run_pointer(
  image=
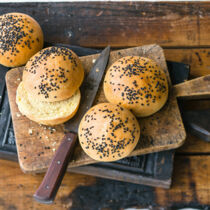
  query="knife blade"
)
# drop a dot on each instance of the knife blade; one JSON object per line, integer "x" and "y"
{"x": 89, "y": 89}
{"x": 54, "y": 175}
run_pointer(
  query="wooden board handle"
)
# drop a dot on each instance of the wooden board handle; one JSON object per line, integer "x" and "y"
{"x": 52, "y": 179}
{"x": 193, "y": 89}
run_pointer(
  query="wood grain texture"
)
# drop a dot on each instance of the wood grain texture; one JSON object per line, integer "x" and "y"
{"x": 198, "y": 59}
{"x": 190, "y": 183}
{"x": 190, "y": 186}
{"x": 152, "y": 170}
{"x": 163, "y": 130}
{"x": 122, "y": 24}
{"x": 194, "y": 89}
{"x": 193, "y": 145}
{"x": 17, "y": 189}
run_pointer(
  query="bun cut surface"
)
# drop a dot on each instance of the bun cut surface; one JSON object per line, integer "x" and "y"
{"x": 47, "y": 113}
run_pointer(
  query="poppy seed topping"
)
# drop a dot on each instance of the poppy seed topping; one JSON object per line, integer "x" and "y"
{"x": 53, "y": 74}
{"x": 108, "y": 132}
{"x": 136, "y": 83}
{"x": 18, "y": 34}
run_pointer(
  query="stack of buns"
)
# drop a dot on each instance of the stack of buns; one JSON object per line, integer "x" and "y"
{"x": 20, "y": 38}
{"x": 49, "y": 92}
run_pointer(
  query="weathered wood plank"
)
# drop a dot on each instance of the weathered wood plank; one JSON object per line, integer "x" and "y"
{"x": 121, "y": 24}
{"x": 190, "y": 185}
{"x": 198, "y": 88}
{"x": 17, "y": 189}
{"x": 198, "y": 59}
{"x": 194, "y": 145}
{"x": 190, "y": 188}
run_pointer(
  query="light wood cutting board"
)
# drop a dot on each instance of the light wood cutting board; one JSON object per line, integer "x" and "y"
{"x": 36, "y": 144}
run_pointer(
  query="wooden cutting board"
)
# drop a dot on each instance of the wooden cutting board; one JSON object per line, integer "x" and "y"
{"x": 36, "y": 144}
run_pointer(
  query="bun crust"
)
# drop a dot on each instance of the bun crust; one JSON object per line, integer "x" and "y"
{"x": 108, "y": 132}
{"x": 47, "y": 113}
{"x": 21, "y": 37}
{"x": 138, "y": 84}
{"x": 53, "y": 74}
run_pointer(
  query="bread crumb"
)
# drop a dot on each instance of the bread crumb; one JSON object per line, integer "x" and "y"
{"x": 68, "y": 205}
{"x": 94, "y": 60}
{"x": 100, "y": 13}
{"x": 69, "y": 34}
{"x": 18, "y": 114}
{"x": 18, "y": 79}
{"x": 97, "y": 70}
{"x": 46, "y": 137}
{"x": 30, "y": 131}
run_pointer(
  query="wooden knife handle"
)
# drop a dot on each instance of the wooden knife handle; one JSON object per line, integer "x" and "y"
{"x": 193, "y": 89}
{"x": 54, "y": 175}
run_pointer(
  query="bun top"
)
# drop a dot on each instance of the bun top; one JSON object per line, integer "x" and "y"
{"x": 53, "y": 74}
{"x": 108, "y": 132}
{"x": 20, "y": 38}
{"x": 138, "y": 84}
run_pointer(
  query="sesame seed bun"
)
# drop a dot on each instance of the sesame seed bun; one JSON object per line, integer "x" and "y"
{"x": 108, "y": 132}
{"x": 138, "y": 84}
{"x": 53, "y": 74}
{"x": 20, "y": 38}
{"x": 47, "y": 113}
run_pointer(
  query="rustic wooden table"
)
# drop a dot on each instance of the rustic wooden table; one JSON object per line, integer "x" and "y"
{"x": 183, "y": 30}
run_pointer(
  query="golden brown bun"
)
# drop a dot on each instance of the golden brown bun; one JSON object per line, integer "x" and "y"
{"x": 53, "y": 74}
{"x": 108, "y": 132}
{"x": 138, "y": 84}
{"x": 20, "y": 38}
{"x": 47, "y": 113}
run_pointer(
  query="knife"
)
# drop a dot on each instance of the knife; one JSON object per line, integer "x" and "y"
{"x": 54, "y": 175}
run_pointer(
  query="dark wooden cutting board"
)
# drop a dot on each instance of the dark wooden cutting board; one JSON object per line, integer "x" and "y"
{"x": 164, "y": 130}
